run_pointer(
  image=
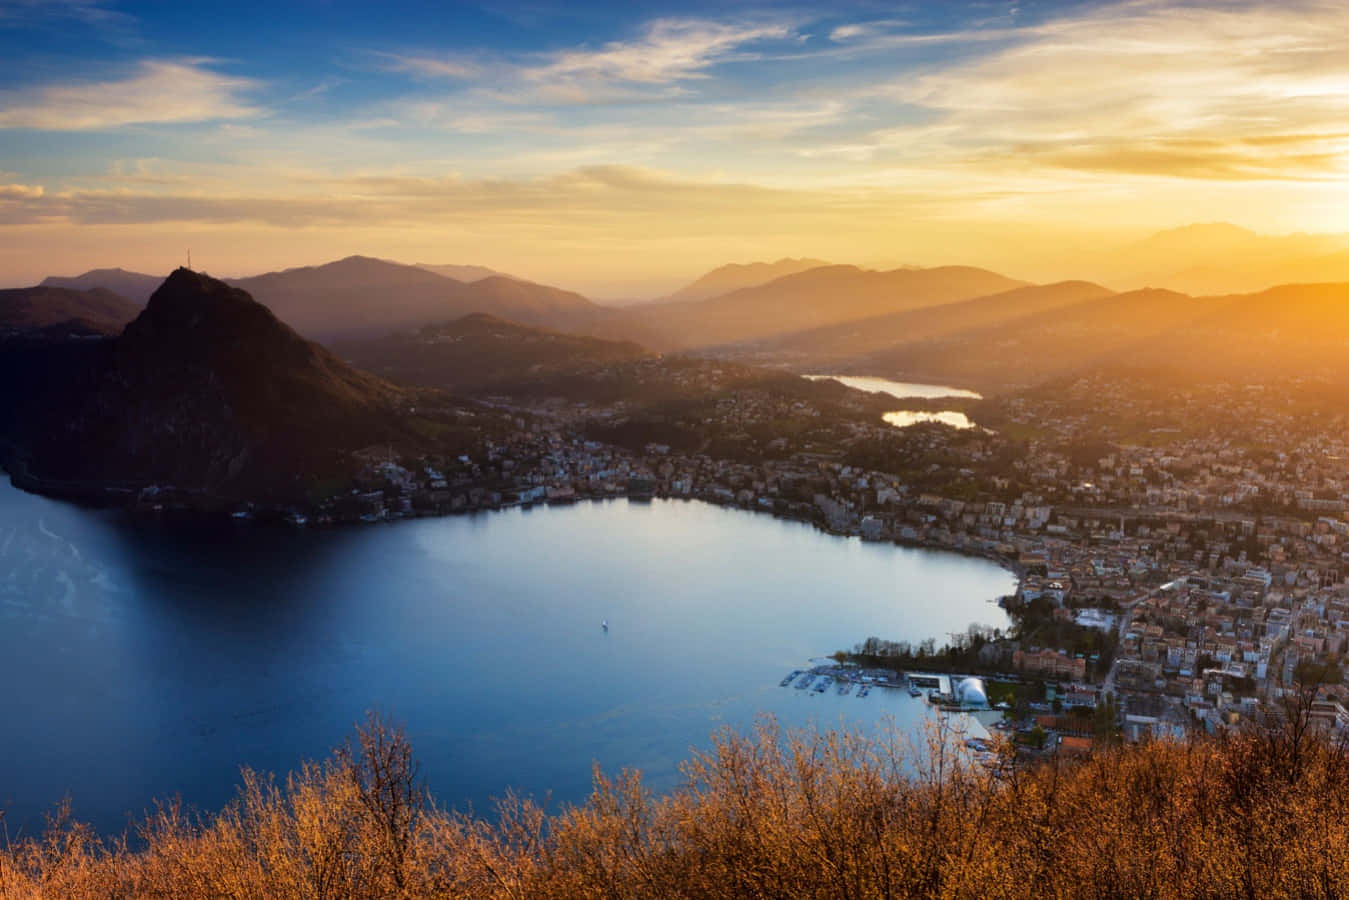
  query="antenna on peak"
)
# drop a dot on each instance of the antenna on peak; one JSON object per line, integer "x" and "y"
{"x": 189, "y": 257}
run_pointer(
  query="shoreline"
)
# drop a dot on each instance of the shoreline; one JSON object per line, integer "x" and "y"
{"x": 124, "y": 498}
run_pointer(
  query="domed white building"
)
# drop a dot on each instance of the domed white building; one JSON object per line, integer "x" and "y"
{"x": 970, "y": 693}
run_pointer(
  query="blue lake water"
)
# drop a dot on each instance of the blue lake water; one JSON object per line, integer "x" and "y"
{"x": 144, "y": 660}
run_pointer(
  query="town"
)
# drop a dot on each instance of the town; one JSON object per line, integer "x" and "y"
{"x": 1197, "y": 533}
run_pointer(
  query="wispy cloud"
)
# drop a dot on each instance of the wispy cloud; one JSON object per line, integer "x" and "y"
{"x": 670, "y": 50}
{"x": 159, "y": 92}
{"x": 20, "y": 191}
{"x": 88, "y": 12}
{"x": 607, "y": 195}
{"x": 657, "y": 63}
{"x": 430, "y": 66}
{"x": 1148, "y": 88}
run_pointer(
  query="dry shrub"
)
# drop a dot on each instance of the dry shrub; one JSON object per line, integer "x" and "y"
{"x": 769, "y": 814}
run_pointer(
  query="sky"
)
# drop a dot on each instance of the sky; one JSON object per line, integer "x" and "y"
{"x": 621, "y": 149}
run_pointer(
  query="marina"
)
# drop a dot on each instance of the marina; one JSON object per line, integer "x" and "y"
{"x": 947, "y": 692}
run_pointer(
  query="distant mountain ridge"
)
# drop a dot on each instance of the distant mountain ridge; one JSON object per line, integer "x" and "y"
{"x": 41, "y": 308}
{"x": 734, "y": 276}
{"x": 465, "y": 273}
{"x": 815, "y": 298}
{"x": 859, "y": 337}
{"x": 361, "y": 297}
{"x": 134, "y": 286}
{"x": 479, "y": 351}
{"x": 1221, "y": 258}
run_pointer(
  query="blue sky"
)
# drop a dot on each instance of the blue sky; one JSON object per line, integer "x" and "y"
{"x": 578, "y": 140}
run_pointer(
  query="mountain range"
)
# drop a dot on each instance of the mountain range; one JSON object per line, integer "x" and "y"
{"x": 465, "y": 273}
{"x": 134, "y": 286}
{"x": 734, "y": 276}
{"x": 815, "y": 298}
{"x": 955, "y": 323}
{"x": 360, "y": 297}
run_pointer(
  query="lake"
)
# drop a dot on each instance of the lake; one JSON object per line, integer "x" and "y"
{"x": 905, "y": 418}
{"x": 147, "y": 659}
{"x": 898, "y": 389}
{"x": 901, "y": 390}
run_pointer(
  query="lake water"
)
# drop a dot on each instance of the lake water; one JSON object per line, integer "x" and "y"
{"x": 145, "y": 660}
{"x": 898, "y": 389}
{"x": 901, "y": 390}
{"x": 905, "y": 418}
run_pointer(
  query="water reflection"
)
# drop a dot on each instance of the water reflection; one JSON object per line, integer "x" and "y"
{"x": 898, "y": 389}
{"x": 905, "y": 418}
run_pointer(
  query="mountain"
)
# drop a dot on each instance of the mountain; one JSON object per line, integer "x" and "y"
{"x": 134, "y": 286}
{"x": 479, "y": 351}
{"x": 360, "y": 297}
{"x": 464, "y": 273}
{"x": 56, "y": 309}
{"x": 734, "y": 276}
{"x": 835, "y": 344}
{"x": 1033, "y": 348}
{"x": 816, "y": 298}
{"x": 207, "y": 390}
{"x": 1289, "y": 329}
{"x": 1220, "y": 258}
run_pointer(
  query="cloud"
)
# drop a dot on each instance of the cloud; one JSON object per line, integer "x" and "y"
{"x": 607, "y": 195}
{"x": 847, "y": 32}
{"x": 668, "y": 52}
{"x": 1150, "y": 89}
{"x": 431, "y": 67}
{"x": 88, "y": 12}
{"x": 20, "y": 191}
{"x": 653, "y": 65}
{"x": 159, "y": 92}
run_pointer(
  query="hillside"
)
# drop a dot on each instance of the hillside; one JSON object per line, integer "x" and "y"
{"x": 463, "y": 273}
{"x": 1032, "y": 348}
{"x": 478, "y": 351}
{"x": 816, "y": 298}
{"x": 207, "y": 390}
{"x": 734, "y": 276}
{"x": 96, "y": 311}
{"x": 775, "y": 815}
{"x": 842, "y": 343}
{"x": 360, "y": 297}
{"x": 135, "y": 286}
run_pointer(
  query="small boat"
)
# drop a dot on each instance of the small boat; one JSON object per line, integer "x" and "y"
{"x": 864, "y": 690}
{"x": 823, "y": 684}
{"x": 843, "y": 687}
{"x": 788, "y": 680}
{"x": 605, "y": 624}
{"x": 805, "y": 682}
{"x": 915, "y": 691}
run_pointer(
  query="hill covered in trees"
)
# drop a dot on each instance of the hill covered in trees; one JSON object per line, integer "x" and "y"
{"x": 771, "y": 815}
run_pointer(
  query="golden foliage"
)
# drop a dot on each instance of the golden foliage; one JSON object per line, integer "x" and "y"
{"x": 771, "y": 814}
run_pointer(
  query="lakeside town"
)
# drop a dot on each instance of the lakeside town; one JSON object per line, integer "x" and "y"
{"x": 1179, "y": 553}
